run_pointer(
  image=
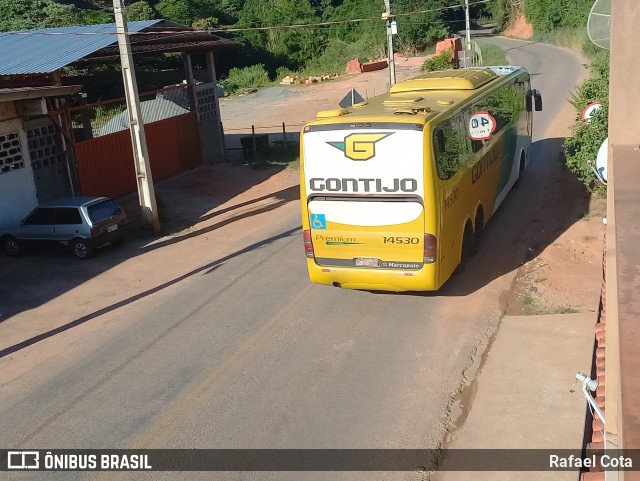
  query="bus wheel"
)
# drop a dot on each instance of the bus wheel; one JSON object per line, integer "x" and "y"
{"x": 468, "y": 248}
{"x": 479, "y": 231}
{"x": 516, "y": 184}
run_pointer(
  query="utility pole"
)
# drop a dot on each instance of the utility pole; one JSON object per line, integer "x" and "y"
{"x": 468, "y": 24}
{"x": 392, "y": 63}
{"x": 146, "y": 193}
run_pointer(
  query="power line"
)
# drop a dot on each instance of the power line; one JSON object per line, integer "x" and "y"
{"x": 246, "y": 29}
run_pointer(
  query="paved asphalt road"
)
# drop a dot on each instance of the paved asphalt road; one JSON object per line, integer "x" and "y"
{"x": 251, "y": 355}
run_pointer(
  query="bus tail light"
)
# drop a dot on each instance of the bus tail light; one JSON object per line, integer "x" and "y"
{"x": 430, "y": 249}
{"x": 308, "y": 246}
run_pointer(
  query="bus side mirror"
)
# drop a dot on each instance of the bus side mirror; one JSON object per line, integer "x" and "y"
{"x": 534, "y": 97}
{"x": 537, "y": 100}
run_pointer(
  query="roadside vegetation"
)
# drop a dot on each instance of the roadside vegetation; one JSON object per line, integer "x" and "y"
{"x": 268, "y": 55}
{"x": 492, "y": 54}
{"x": 441, "y": 61}
{"x": 276, "y": 156}
{"x": 563, "y": 23}
{"x": 582, "y": 147}
{"x": 305, "y": 51}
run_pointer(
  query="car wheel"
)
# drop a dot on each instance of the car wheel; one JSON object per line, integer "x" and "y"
{"x": 82, "y": 249}
{"x": 11, "y": 246}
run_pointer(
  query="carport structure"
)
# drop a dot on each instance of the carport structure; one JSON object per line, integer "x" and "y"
{"x": 182, "y": 121}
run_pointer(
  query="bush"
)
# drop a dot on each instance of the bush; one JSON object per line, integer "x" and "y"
{"x": 582, "y": 147}
{"x": 442, "y": 61}
{"x": 548, "y": 15}
{"x": 282, "y": 72}
{"x": 337, "y": 53}
{"x": 245, "y": 78}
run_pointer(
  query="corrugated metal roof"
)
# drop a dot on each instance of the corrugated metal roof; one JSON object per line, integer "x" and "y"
{"x": 23, "y": 93}
{"x": 37, "y": 51}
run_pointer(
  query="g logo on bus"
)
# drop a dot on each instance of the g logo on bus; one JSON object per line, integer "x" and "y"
{"x": 360, "y": 146}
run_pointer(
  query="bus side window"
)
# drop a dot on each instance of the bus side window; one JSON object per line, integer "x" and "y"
{"x": 452, "y": 151}
{"x": 440, "y": 141}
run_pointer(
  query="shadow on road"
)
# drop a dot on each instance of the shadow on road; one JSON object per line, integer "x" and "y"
{"x": 206, "y": 269}
{"x": 550, "y": 200}
{"x": 40, "y": 276}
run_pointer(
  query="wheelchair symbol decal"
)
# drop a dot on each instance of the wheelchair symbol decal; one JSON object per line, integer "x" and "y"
{"x": 318, "y": 221}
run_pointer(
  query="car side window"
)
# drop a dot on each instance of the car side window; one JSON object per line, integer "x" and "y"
{"x": 40, "y": 216}
{"x": 68, "y": 216}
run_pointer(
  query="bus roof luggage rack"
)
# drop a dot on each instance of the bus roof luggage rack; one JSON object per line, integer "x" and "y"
{"x": 463, "y": 79}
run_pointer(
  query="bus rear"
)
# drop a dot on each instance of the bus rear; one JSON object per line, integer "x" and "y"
{"x": 368, "y": 210}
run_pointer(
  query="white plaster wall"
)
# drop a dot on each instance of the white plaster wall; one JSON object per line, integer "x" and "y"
{"x": 17, "y": 188}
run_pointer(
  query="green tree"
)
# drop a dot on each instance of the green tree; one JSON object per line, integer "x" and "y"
{"x": 140, "y": 11}
{"x": 416, "y": 32}
{"x": 206, "y": 23}
{"x": 582, "y": 147}
{"x": 30, "y": 14}
{"x": 294, "y": 45}
{"x": 179, "y": 11}
{"x": 548, "y": 15}
{"x": 503, "y": 11}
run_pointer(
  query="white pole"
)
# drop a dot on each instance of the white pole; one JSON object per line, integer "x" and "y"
{"x": 391, "y": 60}
{"x": 468, "y": 24}
{"x": 146, "y": 193}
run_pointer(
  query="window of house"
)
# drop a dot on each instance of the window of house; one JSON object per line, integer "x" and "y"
{"x": 10, "y": 153}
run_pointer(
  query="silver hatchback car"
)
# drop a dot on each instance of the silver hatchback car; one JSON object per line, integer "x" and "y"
{"x": 82, "y": 223}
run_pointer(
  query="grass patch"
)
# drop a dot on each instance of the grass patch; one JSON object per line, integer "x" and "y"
{"x": 564, "y": 310}
{"x": 559, "y": 310}
{"x": 492, "y": 54}
{"x": 573, "y": 38}
{"x": 276, "y": 157}
{"x": 528, "y": 300}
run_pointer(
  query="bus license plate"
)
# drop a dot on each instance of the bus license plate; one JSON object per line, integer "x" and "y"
{"x": 111, "y": 228}
{"x": 367, "y": 262}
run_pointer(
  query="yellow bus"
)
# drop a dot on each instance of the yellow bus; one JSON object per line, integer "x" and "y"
{"x": 396, "y": 190}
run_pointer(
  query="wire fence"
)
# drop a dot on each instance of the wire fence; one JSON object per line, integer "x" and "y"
{"x": 103, "y": 118}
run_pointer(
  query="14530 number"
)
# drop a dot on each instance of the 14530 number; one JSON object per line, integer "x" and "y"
{"x": 401, "y": 240}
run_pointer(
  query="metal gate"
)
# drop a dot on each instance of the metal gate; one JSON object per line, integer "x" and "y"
{"x": 102, "y": 143}
{"x": 106, "y": 167}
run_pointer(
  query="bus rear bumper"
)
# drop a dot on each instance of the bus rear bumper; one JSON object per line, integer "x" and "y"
{"x": 425, "y": 279}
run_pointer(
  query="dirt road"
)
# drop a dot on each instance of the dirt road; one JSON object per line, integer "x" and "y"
{"x": 216, "y": 339}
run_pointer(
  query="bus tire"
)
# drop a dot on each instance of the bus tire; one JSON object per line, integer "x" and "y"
{"x": 479, "y": 231}
{"x": 467, "y": 249}
{"x": 516, "y": 184}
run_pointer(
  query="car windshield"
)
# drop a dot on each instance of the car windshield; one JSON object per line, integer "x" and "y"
{"x": 103, "y": 210}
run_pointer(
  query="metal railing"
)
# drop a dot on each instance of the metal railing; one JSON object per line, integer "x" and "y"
{"x": 258, "y": 139}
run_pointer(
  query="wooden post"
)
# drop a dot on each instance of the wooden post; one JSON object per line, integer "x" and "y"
{"x": 284, "y": 136}
{"x": 253, "y": 138}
